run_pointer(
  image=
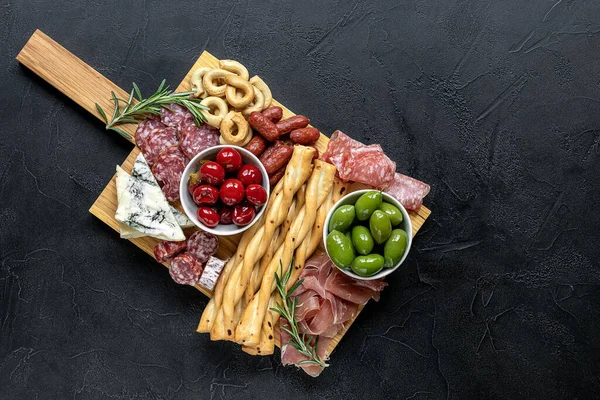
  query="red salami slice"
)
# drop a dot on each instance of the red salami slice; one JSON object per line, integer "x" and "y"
{"x": 157, "y": 140}
{"x": 173, "y": 116}
{"x": 164, "y": 251}
{"x": 145, "y": 127}
{"x": 194, "y": 139}
{"x": 338, "y": 146}
{"x": 168, "y": 169}
{"x": 202, "y": 245}
{"x": 185, "y": 269}
{"x": 408, "y": 191}
{"x": 368, "y": 165}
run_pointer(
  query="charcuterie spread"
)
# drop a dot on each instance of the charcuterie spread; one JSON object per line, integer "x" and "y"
{"x": 311, "y": 255}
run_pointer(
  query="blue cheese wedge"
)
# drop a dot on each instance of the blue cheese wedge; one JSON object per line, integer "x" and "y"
{"x": 211, "y": 272}
{"x": 143, "y": 208}
{"x": 142, "y": 171}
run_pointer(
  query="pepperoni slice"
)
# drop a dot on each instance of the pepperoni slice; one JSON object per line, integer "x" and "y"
{"x": 185, "y": 269}
{"x": 168, "y": 169}
{"x": 202, "y": 245}
{"x": 195, "y": 139}
{"x": 145, "y": 127}
{"x": 157, "y": 140}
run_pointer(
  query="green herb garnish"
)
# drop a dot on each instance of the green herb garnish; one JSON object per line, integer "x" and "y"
{"x": 286, "y": 309}
{"x": 126, "y": 112}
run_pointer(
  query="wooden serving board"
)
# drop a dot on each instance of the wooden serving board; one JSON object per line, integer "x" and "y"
{"x": 86, "y": 87}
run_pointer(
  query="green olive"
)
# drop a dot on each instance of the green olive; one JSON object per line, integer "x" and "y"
{"x": 362, "y": 240}
{"x": 348, "y": 234}
{"x": 342, "y": 218}
{"x": 394, "y": 248}
{"x": 392, "y": 212}
{"x": 380, "y": 226}
{"x": 340, "y": 249}
{"x": 366, "y": 204}
{"x": 367, "y": 265}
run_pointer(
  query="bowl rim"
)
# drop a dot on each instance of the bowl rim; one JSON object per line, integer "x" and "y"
{"x": 406, "y": 221}
{"x": 183, "y": 191}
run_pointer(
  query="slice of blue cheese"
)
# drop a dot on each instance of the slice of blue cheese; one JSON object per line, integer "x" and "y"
{"x": 143, "y": 208}
{"x": 141, "y": 170}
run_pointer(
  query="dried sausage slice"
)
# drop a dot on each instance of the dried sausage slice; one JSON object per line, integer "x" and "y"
{"x": 157, "y": 140}
{"x": 185, "y": 269}
{"x": 202, "y": 245}
{"x": 168, "y": 169}
{"x": 166, "y": 250}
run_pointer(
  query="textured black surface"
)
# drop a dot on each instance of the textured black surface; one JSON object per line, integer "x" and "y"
{"x": 494, "y": 103}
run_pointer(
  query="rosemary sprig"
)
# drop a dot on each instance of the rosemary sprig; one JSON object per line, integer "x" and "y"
{"x": 127, "y": 112}
{"x": 286, "y": 308}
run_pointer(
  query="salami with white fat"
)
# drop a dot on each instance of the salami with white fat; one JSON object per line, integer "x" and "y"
{"x": 185, "y": 269}
{"x": 408, "y": 191}
{"x": 173, "y": 115}
{"x": 202, "y": 245}
{"x": 168, "y": 169}
{"x": 194, "y": 139}
{"x": 145, "y": 127}
{"x": 157, "y": 140}
{"x": 368, "y": 165}
{"x": 212, "y": 271}
{"x": 166, "y": 250}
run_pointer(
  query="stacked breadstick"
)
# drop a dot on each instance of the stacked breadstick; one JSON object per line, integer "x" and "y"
{"x": 291, "y": 227}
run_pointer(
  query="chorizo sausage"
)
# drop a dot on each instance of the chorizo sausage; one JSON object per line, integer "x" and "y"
{"x": 288, "y": 125}
{"x": 305, "y": 136}
{"x": 276, "y": 158}
{"x": 264, "y": 126}
{"x": 274, "y": 113}
{"x": 275, "y": 177}
{"x": 256, "y": 145}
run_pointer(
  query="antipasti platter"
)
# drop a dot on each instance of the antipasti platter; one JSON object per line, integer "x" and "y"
{"x": 290, "y": 233}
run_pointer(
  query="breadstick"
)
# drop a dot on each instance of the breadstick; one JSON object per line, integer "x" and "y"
{"x": 249, "y": 328}
{"x": 296, "y": 173}
{"x": 211, "y": 311}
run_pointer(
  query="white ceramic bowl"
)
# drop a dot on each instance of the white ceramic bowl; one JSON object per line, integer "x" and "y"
{"x": 191, "y": 208}
{"x": 351, "y": 198}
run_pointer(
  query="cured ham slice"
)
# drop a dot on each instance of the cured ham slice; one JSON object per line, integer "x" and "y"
{"x": 326, "y": 301}
{"x": 369, "y": 165}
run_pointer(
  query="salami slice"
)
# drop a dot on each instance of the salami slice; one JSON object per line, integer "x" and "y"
{"x": 145, "y": 127}
{"x": 212, "y": 271}
{"x": 368, "y": 165}
{"x": 173, "y": 116}
{"x": 337, "y": 148}
{"x": 168, "y": 169}
{"x": 194, "y": 139}
{"x": 185, "y": 269}
{"x": 408, "y": 191}
{"x": 202, "y": 245}
{"x": 166, "y": 250}
{"x": 157, "y": 140}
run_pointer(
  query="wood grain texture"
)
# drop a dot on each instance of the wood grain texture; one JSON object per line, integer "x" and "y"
{"x": 86, "y": 87}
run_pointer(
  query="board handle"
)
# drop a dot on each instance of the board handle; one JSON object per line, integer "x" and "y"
{"x": 71, "y": 76}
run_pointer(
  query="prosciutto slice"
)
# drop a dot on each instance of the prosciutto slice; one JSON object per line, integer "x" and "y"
{"x": 369, "y": 165}
{"x": 326, "y": 302}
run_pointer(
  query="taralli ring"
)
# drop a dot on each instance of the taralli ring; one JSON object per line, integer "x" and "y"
{"x": 214, "y": 82}
{"x": 235, "y": 67}
{"x": 196, "y": 81}
{"x": 257, "y": 82}
{"x": 234, "y": 128}
{"x": 235, "y": 83}
{"x": 217, "y": 110}
{"x": 245, "y": 142}
{"x": 256, "y": 105}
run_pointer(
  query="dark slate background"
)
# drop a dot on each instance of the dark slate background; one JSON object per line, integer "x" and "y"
{"x": 494, "y": 103}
